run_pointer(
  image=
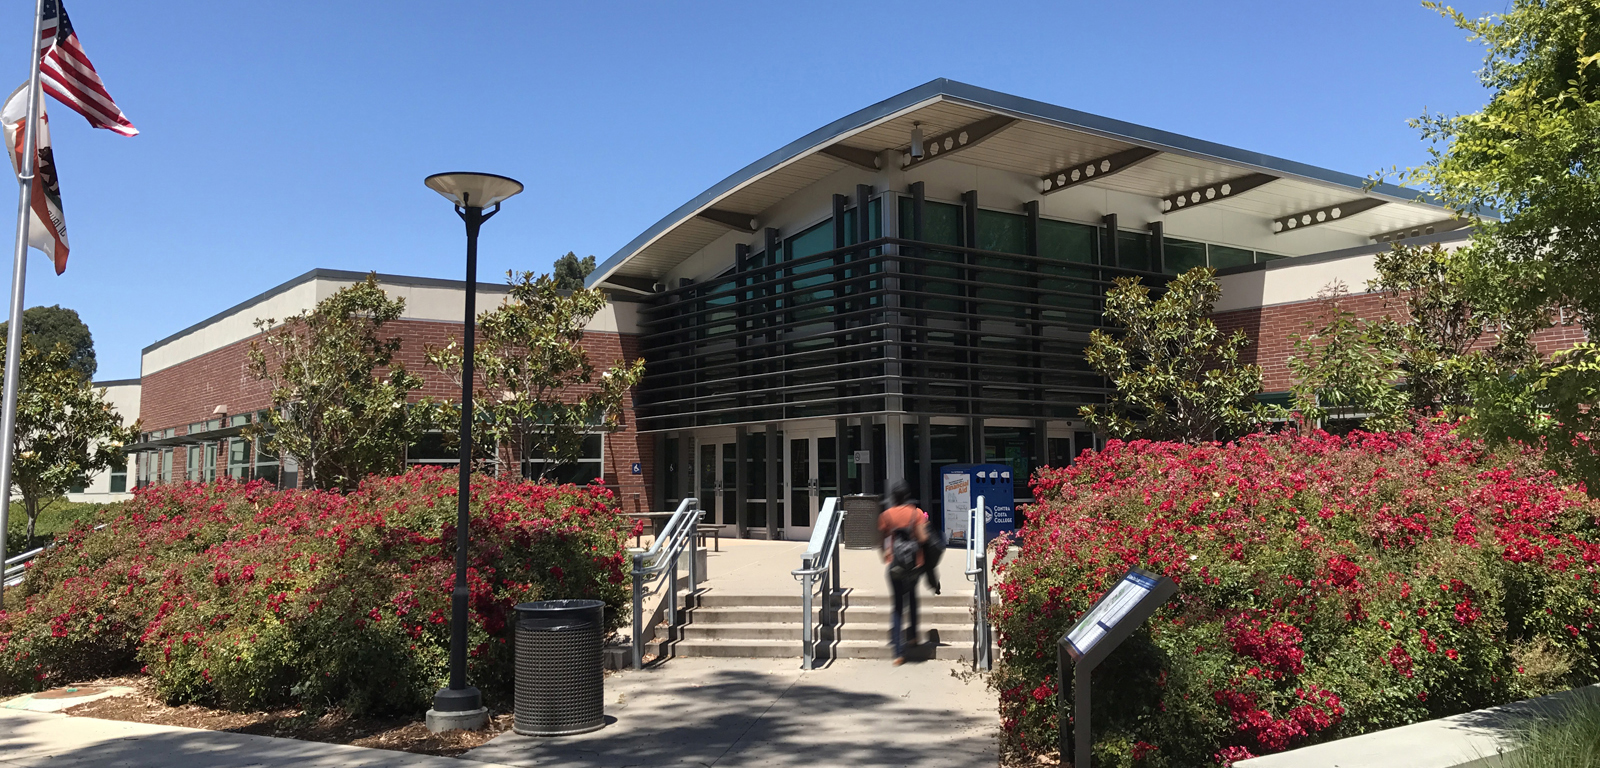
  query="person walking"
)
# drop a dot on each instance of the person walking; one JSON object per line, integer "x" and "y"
{"x": 903, "y": 529}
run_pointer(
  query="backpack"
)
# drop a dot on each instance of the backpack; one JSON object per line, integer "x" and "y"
{"x": 903, "y": 550}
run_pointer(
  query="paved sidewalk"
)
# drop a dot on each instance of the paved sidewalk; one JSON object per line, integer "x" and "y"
{"x": 38, "y": 739}
{"x": 738, "y": 713}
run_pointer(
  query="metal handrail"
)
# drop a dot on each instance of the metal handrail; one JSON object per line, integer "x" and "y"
{"x": 16, "y": 567}
{"x": 978, "y": 573}
{"x": 821, "y": 558}
{"x": 679, "y": 532}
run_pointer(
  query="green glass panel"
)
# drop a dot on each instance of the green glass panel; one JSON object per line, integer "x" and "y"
{"x": 1264, "y": 257}
{"x": 1180, "y": 256}
{"x": 1003, "y": 232}
{"x": 1133, "y": 251}
{"x": 1065, "y": 241}
{"x": 1223, "y": 257}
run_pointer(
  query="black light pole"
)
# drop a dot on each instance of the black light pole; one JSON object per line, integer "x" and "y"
{"x": 460, "y": 705}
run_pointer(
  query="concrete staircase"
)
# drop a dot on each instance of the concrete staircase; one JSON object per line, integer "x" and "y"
{"x": 848, "y": 626}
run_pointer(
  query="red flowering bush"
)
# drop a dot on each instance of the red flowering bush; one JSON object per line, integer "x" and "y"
{"x": 1327, "y": 586}
{"x": 244, "y": 596}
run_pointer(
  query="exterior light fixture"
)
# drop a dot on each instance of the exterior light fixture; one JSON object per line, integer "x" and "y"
{"x": 460, "y": 705}
{"x": 916, "y": 141}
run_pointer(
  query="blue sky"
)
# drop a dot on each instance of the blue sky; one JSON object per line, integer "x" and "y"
{"x": 279, "y": 137}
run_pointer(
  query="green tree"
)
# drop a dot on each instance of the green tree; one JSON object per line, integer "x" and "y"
{"x": 1532, "y": 154}
{"x": 45, "y": 327}
{"x": 338, "y": 393}
{"x": 570, "y": 271}
{"x": 1176, "y": 376}
{"x": 1344, "y": 367}
{"x": 533, "y": 383}
{"x": 65, "y": 432}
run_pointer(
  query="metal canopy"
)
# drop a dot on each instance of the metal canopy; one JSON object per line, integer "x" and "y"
{"x": 1035, "y": 139}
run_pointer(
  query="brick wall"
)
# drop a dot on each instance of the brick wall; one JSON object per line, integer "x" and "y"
{"x": 188, "y": 392}
{"x": 1269, "y": 329}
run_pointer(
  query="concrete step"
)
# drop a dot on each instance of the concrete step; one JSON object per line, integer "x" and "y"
{"x": 763, "y": 614}
{"x": 791, "y": 649}
{"x": 715, "y": 599}
{"x": 848, "y": 632}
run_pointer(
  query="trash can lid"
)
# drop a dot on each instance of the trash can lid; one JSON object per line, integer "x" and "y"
{"x": 582, "y": 610}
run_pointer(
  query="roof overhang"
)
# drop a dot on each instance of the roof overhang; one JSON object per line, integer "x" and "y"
{"x": 1060, "y": 147}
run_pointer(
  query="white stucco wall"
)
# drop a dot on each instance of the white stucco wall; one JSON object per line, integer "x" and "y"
{"x": 125, "y": 398}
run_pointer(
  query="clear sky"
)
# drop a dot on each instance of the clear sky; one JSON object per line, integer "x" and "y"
{"x": 279, "y": 137}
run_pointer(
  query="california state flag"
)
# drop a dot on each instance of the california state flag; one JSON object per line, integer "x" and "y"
{"x": 48, "y": 230}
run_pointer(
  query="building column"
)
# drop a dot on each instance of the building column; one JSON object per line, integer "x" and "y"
{"x": 741, "y": 510}
{"x": 841, "y": 452}
{"x": 976, "y": 447}
{"x": 894, "y": 444}
{"x": 869, "y": 479}
{"x": 925, "y": 470}
{"x": 773, "y": 508}
{"x": 658, "y": 474}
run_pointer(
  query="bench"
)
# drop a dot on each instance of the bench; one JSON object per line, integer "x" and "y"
{"x": 713, "y": 532}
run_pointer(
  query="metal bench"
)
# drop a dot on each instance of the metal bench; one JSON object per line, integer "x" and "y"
{"x": 704, "y": 531}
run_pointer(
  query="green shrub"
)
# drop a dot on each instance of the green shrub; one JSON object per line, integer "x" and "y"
{"x": 247, "y": 597}
{"x": 1327, "y": 587}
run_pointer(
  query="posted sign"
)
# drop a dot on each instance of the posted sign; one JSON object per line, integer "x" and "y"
{"x": 1112, "y": 609}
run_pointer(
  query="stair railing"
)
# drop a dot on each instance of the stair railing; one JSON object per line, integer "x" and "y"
{"x": 662, "y": 558}
{"x": 978, "y": 574}
{"x": 15, "y": 567}
{"x": 821, "y": 558}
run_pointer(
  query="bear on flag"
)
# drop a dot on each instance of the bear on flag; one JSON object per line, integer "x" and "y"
{"x": 48, "y": 231}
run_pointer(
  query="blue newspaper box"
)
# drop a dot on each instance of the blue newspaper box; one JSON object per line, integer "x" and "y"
{"x": 963, "y": 484}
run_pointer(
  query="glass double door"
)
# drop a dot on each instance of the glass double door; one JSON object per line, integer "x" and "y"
{"x": 806, "y": 469}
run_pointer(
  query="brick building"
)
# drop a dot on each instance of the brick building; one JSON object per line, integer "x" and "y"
{"x": 196, "y": 393}
{"x": 909, "y": 286}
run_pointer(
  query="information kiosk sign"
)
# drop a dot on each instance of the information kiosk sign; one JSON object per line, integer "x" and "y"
{"x": 1101, "y": 629}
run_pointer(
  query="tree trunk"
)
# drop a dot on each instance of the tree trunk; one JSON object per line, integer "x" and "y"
{"x": 31, "y": 504}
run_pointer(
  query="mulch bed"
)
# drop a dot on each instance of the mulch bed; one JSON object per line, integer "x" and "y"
{"x": 398, "y": 733}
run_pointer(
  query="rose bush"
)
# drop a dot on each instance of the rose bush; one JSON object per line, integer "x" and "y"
{"x": 1327, "y": 587}
{"x": 244, "y": 596}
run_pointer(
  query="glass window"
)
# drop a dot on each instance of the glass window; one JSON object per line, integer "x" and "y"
{"x": 209, "y": 472}
{"x": 192, "y": 460}
{"x": 1133, "y": 251}
{"x": 429, "y": 449}
{"x": 119, "y": 479}
{"x": 239, "y": 458}
{"x": 947, "y": 444}
{"x": 1014, "y": 446}
{"x": 587, "y": 468}
{"x": 238, "y": 419}
{"x": 1265, "y": 257}
{"x": 1223, "y": 257}
{"x": 166, "y": 465}
{"x": 1180, "y": 256}
{"x": 1003, "y": 232}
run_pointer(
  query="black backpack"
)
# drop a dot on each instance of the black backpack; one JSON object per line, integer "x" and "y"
{"x": 903, "y": 550}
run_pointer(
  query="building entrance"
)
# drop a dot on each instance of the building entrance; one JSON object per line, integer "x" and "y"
{"x": 740, "y": 488}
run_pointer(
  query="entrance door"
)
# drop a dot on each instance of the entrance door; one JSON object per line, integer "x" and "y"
{"x": 813, "y": 475}
{"x": 716, "y": 468}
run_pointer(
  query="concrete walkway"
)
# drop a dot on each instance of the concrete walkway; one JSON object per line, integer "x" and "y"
{"x": 38, "y": 739}
{"x": 736, "y": 713}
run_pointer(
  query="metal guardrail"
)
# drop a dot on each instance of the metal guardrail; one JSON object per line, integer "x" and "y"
{"x": 978, "y": 573}
{"x": 15, "y": 567}
{"x": 821, "y": 558}
{"x": 662, "y": 557}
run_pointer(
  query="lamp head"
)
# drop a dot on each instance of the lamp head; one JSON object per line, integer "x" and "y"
{"x": 473, "y": 190}
{"x": 916, "y": 141}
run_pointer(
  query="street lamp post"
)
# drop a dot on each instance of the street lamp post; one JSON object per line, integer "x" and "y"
{"x": 460, "y": 706}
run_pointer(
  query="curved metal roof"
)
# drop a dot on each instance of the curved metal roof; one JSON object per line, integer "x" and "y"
{"x": 801, "y": 160}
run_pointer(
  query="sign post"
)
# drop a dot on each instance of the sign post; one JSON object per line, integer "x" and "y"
{"x": 1101, "y": 629}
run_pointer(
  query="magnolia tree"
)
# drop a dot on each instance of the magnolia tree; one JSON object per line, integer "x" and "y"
{"x": 1532, "y": 154}
{"x": 65, "y": 431}
{"x": 1346, "y": 368}
{"x": 339, "y": 395}
{"x": 534, "y": 385}
{"x": 1175, "y": 375}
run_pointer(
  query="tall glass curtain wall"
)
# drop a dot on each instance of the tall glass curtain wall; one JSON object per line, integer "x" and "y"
{"x": 969, "y": 312}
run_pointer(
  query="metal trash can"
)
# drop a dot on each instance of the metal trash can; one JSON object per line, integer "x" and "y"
{"x": 560, "y": 676}
{"x": 860, "y": 529}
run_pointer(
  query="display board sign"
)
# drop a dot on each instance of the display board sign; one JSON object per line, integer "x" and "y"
{"x": 957, "y": 500}
{"x": 1101, "y": 629}
{"x": 1113, "y": 608}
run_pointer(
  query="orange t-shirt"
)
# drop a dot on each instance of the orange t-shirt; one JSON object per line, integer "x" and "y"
{"x": 894, "y": 518}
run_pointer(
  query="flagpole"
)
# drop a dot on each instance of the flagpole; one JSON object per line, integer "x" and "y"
{"x": 19, "y": 275}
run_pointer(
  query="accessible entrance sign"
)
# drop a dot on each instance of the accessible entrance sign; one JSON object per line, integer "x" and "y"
{"x": 1098, "y": 632}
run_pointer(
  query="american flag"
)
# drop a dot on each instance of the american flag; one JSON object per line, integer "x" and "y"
{"x": 65, "y": 73}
